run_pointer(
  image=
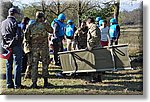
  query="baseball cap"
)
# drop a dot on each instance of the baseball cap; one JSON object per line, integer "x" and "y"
{"x": 13, "y": 10}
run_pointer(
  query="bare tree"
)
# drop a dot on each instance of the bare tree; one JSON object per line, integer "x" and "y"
{"x": 58, "y": 6}
{"x": 83, "y": 6}
{"x": 116, "y": 9}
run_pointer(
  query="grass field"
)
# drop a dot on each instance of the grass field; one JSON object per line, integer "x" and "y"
{"x": 114, "y": 83}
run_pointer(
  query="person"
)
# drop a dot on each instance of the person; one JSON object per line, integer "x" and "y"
{"x": 70, "y": 29}
{"x": 97, "y": 20}
{"x": 22, "y": 27}
{"x": 104, "y": 29}
{"x": 93, "y": 41}
{"x": 31, "y": 21}
{"x": 114, "y": 32}
{"x": 93, "y": 35}
{"x": 11, "y": 40}
{"x": 24, "y": 23}
{"x": 100, "y": 22}
{"x": 36, "y": 36}
{"x": 58, "y": 36}
{"x": 80, "y": 36}
{"x": 27, "y": 58}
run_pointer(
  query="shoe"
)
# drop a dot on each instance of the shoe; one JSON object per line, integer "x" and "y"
{"x": 19, "y": 87}
{"x": 9, "y": 86}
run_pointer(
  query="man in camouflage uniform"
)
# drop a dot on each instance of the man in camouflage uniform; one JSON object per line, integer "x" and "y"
{"x": 93, "y": 41}
{"x": 36, "y": 35}
{"x": 93, "y": 35}
{"x": 81, "y": 36}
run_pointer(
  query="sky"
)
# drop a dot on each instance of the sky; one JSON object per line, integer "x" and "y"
{"x": 127, "y": 5}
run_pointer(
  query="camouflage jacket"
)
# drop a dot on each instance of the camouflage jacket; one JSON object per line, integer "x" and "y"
{"x": 93, "y": 36}
{"x": 36, "y": 35}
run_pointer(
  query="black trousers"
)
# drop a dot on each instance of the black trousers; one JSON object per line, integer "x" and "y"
{"x": 24, "y": 62}
{"x": 113, "y": 40}
{"x": 58, "y": 47}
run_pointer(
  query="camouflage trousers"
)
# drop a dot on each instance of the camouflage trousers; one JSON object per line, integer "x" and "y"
{"x": 39, "y": 54}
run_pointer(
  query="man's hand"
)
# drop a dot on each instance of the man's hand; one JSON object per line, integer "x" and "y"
{"x": 88, "y": 48}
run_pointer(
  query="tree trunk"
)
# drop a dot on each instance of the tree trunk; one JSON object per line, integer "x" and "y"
{"x": 79, "y": 14}
{"x": 58, "y": 7}
{"x": 43, "y": 6}
{"x": 116, "y": 11}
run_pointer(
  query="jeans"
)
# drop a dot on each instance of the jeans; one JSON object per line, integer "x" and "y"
{"x": 16, "y": 56}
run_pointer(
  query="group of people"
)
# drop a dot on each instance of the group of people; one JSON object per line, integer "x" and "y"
{"x": 31, "y": 39}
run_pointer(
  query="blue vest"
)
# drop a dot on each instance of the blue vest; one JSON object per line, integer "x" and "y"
{"x": 61, "y": 27}
{"x": 113, "y": 30}
{"x": 70, "y": 30}
{"x": 52, "y": 24}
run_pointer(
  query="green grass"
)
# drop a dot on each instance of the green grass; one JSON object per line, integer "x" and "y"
{"x": 126, "y": 82}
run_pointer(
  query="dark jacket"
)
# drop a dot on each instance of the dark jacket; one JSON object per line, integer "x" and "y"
{"x": 10, "y": 33}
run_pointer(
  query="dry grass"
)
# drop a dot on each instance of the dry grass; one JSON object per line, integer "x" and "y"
{"x": 114, "y": 83}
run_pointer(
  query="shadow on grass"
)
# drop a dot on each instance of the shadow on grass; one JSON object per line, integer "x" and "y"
{"x": 117, "y": 81}
{"x": 129, "y": 85}
{"x": 84, "y": 87}
{"x": 123, "y": 76}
